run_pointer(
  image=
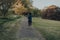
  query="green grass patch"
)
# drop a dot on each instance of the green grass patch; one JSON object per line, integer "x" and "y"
{"x": 48, "y": 28}
{"x": 8, "y": 27}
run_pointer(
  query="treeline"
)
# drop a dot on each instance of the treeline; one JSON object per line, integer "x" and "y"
{"x": 18, "y": 7}
{"x": 51, "y": 12}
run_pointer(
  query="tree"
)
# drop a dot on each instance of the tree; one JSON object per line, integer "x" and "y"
{"x": 21, "y": 6}
{"x": 18, "y": 7}
{"x": 27, "y": 3}
{"x": 51, "y": 12}
{"x": 5, "y": 5}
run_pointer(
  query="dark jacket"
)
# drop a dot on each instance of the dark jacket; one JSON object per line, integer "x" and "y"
{"x": 29, "y": 17}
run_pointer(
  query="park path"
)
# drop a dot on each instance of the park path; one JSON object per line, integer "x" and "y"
{"x": 26, "y": 32}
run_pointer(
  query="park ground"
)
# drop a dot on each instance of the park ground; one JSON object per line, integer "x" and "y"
{"x": 50, "y": 29}
{"x": 41, "y": 29}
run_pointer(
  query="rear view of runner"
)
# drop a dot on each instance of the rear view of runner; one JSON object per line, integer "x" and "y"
{"x": 29, "y": 19}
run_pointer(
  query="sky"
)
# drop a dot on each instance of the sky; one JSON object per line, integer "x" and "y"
{"x": 40, "y": 4}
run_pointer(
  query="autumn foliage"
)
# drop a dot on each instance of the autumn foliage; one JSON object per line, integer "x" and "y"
{"x": 51, "y": 12}
{"x": 21, "y": 6}
{"x": 16, "y": 6}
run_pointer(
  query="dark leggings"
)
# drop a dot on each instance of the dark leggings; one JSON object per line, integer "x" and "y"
{"x": 29, "y": 23}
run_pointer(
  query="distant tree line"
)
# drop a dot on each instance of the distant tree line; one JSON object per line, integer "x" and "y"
{"x": 36, "y": 12}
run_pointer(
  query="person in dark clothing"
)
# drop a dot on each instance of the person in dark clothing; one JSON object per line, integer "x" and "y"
{"x": 29, "y": 19}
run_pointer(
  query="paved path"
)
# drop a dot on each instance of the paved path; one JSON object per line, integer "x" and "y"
{"x": 26, "y": 32}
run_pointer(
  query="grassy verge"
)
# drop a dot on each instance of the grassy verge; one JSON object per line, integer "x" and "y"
{"x": 8, "y": 27}
{"x": 48, "y": 28}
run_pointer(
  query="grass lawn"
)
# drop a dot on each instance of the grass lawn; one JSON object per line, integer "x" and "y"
{"x": 48, "y": 28}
